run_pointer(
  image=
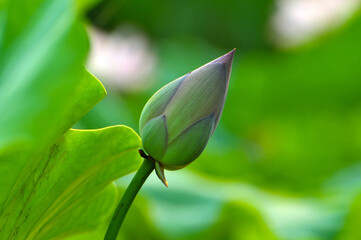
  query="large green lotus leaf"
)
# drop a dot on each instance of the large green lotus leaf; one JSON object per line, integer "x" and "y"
{"x": 41, "y": 73}
{"x": 77, "y": 228}
{"x": 47, "y": 178}
{"x": 43, "y": 88}
{"x": 138, "y": 215}
{"x": 74, "y": 171}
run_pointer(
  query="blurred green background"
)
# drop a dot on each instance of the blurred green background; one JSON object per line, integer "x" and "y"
{"x": 285, "y": 160}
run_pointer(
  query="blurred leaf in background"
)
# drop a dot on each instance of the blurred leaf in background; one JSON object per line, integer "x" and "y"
{"x": 302, "y": 114}
{"x": 229, "y": 24}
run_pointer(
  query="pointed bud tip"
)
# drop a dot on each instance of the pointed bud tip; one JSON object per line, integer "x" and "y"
{"x": 226, "y": 58}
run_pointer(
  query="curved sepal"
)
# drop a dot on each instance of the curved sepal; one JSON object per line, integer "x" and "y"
{"x": 159, "y": 170}
{"x": 155, "y": 137}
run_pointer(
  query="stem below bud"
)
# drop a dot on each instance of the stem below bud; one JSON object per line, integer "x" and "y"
{"x": 137, "y": 182}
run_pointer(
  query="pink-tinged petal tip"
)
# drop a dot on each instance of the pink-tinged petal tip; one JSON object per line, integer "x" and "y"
{"x": 226, "y": 58}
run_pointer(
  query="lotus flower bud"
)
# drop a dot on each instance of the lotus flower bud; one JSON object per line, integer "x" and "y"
{"x": 179, "y": 119}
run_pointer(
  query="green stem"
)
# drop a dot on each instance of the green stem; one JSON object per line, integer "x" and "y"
{"x": 127, "y": 199}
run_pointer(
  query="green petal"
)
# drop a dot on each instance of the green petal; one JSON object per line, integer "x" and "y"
{"x": 189, "y": 144}
{"x": 200, "y": 94}
{"x": 155, "y": 137}
{"x": 158, "y": 102}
